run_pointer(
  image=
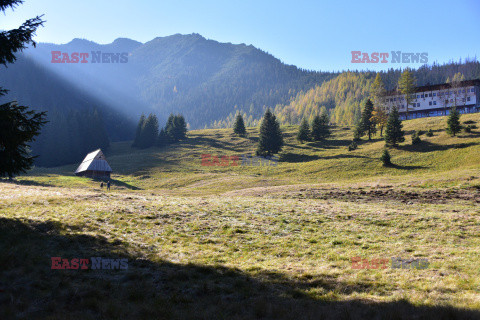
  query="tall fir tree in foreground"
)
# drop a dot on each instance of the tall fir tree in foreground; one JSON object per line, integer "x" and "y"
{"x": 303, "y": 131}
{"x": 393, "y": 132}
{"x": 271, "y": 139}
{"x": 368, "y": 122}
{"x": 453, "y": 122}
{"x": 239, "y": 125}
{"x": 18, "y": 125}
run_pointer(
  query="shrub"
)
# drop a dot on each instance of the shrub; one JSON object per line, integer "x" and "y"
{"x": 469, "y": 128}
{"x": 415, "y": 138}
{"x": 429, "y": 133}
{"x": 352, "y": 146}
{"x": 386, "y": 160}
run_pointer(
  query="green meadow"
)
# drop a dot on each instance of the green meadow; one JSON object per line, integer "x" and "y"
{"x": 247, "y": 242}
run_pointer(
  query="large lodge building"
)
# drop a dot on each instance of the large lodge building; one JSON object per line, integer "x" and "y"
{"x": 436, "y": 100}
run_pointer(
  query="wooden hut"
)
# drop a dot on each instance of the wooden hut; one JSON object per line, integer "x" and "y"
{"x": 94, "y": 166}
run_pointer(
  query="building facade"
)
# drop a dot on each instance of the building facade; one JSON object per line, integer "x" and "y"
{"x": 436, "y": 100}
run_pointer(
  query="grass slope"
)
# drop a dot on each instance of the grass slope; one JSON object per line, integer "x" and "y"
{"x": 251, "y": 242}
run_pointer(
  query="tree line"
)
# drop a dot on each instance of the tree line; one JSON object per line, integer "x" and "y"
{"x": 148, "y": 134}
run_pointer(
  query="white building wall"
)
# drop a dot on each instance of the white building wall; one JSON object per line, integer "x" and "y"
{"x": 435, "y": 99}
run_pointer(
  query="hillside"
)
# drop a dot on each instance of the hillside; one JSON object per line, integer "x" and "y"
{"x": 344, "y": 95}
{"x": 77, "y": 119}
{"x": 178, "y": 168}
{"x": 203, "y": 79}
{"x": 250, "y": 242}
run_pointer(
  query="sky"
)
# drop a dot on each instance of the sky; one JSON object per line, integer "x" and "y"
{"x": 314, "y": 35}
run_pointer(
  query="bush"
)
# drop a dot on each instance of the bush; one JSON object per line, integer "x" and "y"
{"x": 415, "y": 138}
{"x": 352, "y": 146}
{"x": 386, "y": 160}
{"x": 429, "y": 133}
{"x": 469, "y": 128}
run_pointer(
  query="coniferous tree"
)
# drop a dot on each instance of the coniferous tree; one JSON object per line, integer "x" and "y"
{"x": 386, "y": 159}
{"x": 303, "y": 131}
{"x": 18, "y": 125}
{"x": 393, "y": 132}
{"x": 453, "y": 122}
{"x": 163, "y": 139}
{"x": 239, "y": 125}
{"x": 270, "y": 140}
{"x": 176, "y": 128}
{"x": 320, "y": 129}
{"x": 180, "y": 127}
{"x": 138, "y": 133}
{"x": 170, "y": 127}
{"x": 368, "y": 124}
{"x": 149, "y": 132}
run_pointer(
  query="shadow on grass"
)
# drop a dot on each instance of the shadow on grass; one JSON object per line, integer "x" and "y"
{"x": 400, "y": 167}
{"x": 427, "y": 146}
{"x": 27, "y": 183}
{"x": 148, "y": 289}
{"x": 211, "y": 142}
{"x": 120, "y": 183}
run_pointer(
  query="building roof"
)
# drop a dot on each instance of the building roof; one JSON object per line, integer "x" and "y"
{"x": 441, "y": 86}
{"x": 94, "y": 161}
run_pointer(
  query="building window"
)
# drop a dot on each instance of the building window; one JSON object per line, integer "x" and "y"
{"x": 434, "y": 94}
{"x": 434, "y": 103}
{"x": 429, "y": 94}
{"x": 429, "y": 103}
{"x": 418, "y": 96}
{"x": 468, "y": 98}
{"x": 463, "y": 91}
{"x": 422, "y": 96}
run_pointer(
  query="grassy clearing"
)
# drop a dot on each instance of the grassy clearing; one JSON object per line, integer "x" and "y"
{"x": 251, "y": 242}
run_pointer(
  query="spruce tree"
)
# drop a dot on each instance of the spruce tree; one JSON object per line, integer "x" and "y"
{"x": 303, "y": 131}
{"x": 386, "y": 159}
{"x": 453, "y": 122}
{"x": 270, "y": 140}
{"x": 163, "y": 139}
{"x": 149, "y": 134}
{"x": 320, "y": 129}
{"x": 239, "y": 126}
{"x": 138, "y": 133}
{"x": 180, "y": 131}
{"x": 170, "y": 127}
{"x": 393, "y": 131}
{"x": 18, "y": 125}
{"x": 367, "y": 122}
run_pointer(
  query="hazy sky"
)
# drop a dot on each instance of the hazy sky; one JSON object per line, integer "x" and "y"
{"x": 317, "y": 35}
